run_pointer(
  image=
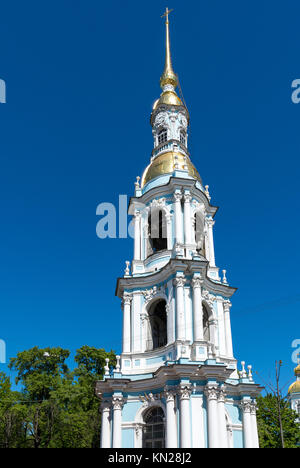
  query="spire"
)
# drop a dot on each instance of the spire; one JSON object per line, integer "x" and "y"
{"x": 168, "y": 77}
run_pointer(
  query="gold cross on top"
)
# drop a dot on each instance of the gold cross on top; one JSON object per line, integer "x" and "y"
{"x": 166, "y": 14}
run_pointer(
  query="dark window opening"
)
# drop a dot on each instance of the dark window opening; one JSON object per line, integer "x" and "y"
{"x": 199, "y": 233}
{"x": 154, "y": 429}
{"x": 162, "y": 136}
{"x": 158, "y": 325}
{"x": 206, "y": 333}
{"x": 157, "y": 232}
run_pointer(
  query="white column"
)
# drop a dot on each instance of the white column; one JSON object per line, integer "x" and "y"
{"x": 178, "y": 218}
{"x": 255, "y": 439}
{"x": 198, "y": 431}
{"x": 185, "y": 417}
{"x": 179, "y": 282}
{"x": 247, "y": 423}
{"x": 211, "y": 392}
{"x": 126, "y": 323}
{"x": 171, "y": 424}
{"x": 105, "y": 425}
{"x": 197, "y": 309}
{"x": 210, "y": 222}
{"x": 223, "y": 442}
{"x": 228, "y": 335}
{"x": 187, "y": 218}
{"x": 221, "y": 327}
{"x": 117, "y": 403}
{"x": 137, "y": 236}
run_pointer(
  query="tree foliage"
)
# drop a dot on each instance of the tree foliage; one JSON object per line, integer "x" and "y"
{"x": 268, "y": 423}
{"x": 55, "y": 407}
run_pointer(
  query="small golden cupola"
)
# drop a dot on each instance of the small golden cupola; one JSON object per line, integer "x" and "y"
{"x": 295, "y": 387}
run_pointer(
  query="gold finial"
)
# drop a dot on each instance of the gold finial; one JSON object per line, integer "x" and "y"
{"x": 168, "y": 77}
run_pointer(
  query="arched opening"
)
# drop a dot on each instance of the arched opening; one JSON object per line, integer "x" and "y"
{"x": 154, "y": 429}
{"x": 158, "y": 325}
{"x": 199, "y": 232}
{"x": 162, "y": 136}
{"x": 157, "y": 231}
{"x": 206, "y": 333}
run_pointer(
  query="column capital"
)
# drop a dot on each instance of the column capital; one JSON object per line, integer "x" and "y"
{"x": 179, "y": 281}
{"x": 177, "y": 196}
{"x": 212, "y": 392}
{"x": 210, "y": 222}
{"x": 253, "y": 407}
{"x": 169, "y": 394}
{"x": 222, "y": 394}
{"x": 105, "y": 406}
{"x": 246, "y": 406}
{"x": 197, "y": 282}
{"x": 227, "y": 304}
{"x": 187, "y": 197}
{"x": 127, "y": 298}
{"x": 184, "y": 392}
{"x": 117, "y": 402}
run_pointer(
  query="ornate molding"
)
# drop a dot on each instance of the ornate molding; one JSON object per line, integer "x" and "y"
{"x": 149, "y": 294}
{"x": 210, "y": 298}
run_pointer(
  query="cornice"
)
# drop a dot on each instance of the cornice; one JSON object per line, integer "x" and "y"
{"x": 188, "y": 267}
{"x": 174, "y": 183}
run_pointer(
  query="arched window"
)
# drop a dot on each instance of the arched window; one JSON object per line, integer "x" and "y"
{"x": 206, "y": 333}
{"x": 154, "y": 429}
{"x": 199, "y": 232}
{"x": 157, "y": 231}
{"x": 162, "y": 136}
{"x": 158, "y": 325}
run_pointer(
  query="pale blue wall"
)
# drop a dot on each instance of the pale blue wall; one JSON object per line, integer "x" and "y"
{"x": 129, "y": 411}
{"x": 128, "y": 438}
{"x": 234, "y": 414}
{"x": 238, "y": 439}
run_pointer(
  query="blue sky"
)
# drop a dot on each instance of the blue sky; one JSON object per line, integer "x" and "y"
{"x": 81, "y": 79}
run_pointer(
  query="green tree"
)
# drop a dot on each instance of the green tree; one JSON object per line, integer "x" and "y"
{"x": 41, "y": 372}
{"x": 269, "y": 426}
{"x": 56, "y": 408}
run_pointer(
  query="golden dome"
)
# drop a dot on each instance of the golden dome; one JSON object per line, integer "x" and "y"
{"x": 297, "y": 370}
{"x": 295, "y": 387}
{"x": 168, "y": 97}
{"x": 165, "y": 163}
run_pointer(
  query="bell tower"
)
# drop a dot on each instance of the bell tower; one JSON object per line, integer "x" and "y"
{"x": 176, "y": 383}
